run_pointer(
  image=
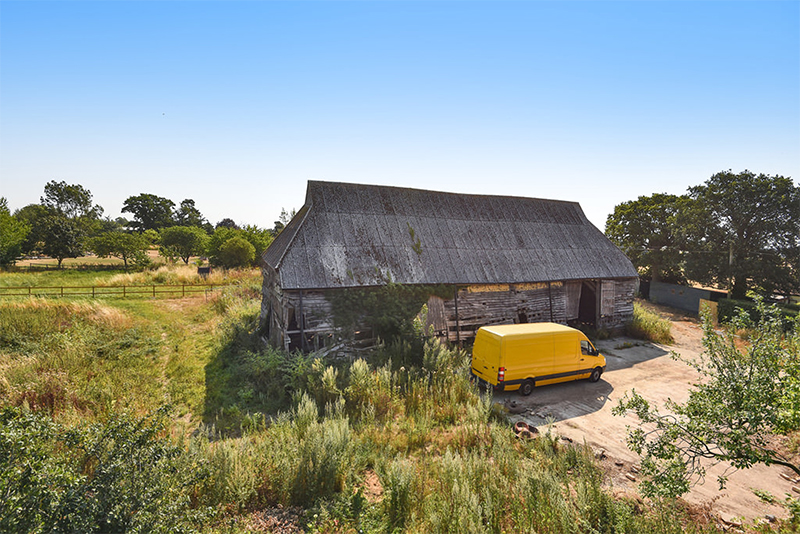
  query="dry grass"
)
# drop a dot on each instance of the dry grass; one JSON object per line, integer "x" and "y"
{"x": 62, "y": 313}
{"x": 178, "y": 275}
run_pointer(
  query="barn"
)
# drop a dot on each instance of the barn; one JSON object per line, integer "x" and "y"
{"x": 507, "y": 259}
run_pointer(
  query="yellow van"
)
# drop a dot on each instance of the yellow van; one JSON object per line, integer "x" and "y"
{"x": 522, "y": 356}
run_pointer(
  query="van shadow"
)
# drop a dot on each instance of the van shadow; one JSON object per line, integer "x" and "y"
{"x": 623, "y": 353}
{"x": 557, "y": 402}
{"x": 567, "y": 400}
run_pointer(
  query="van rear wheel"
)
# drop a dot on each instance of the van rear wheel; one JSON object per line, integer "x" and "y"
{"x": 595, "y": 376}
{"x": 526, "y": 388}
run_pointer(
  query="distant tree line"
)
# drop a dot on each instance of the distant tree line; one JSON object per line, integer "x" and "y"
{"x": 740, "y": 231}
{"x": 67, "y": 224}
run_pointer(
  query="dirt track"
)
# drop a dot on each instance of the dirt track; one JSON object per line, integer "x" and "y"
{"x": 581, "y": 412}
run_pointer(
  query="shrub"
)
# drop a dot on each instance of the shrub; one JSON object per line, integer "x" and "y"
{"x": 236, "y": 252}
{"x": 120, "y": 476}
{"x": 728, "y": 309}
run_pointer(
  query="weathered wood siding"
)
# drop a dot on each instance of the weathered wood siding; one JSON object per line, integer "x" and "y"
{"x": 286, "y": 315}
{"x": 482, "y": 305}
{"x": 616, "y": 309}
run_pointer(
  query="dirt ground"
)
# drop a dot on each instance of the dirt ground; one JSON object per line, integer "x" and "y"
{"x": 581, "y": 411}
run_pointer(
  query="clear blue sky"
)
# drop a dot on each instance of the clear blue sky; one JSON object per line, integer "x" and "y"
{"x": 237, "y": 104}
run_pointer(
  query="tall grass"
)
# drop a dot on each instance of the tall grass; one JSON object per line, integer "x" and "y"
{"x": 298, "y": 430}
{"x": 181, "y": 274}
{"x": 76, "y": 358}
{"x": 444, "y": 461}
{"x": 649, "y": 326}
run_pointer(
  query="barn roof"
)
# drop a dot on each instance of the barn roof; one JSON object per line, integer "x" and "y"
{"x": 362, "y": 235}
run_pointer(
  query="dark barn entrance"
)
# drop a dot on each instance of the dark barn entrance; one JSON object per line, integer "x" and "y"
{"x": 587, "y": 310}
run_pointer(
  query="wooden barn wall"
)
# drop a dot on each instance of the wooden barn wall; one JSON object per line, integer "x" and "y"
{"x": 311, "y": 311}
{"x": 478, "y": 305}
{"x": 616, "y": 307}
{"x": 272, "y": 309}
{"x": 482, "y": 305}
{"x": 285, "y": 313}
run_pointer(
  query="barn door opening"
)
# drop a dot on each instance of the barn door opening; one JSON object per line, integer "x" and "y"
{"x": 587, "y": 309}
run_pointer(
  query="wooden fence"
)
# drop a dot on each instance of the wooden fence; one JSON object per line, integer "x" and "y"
{"x": 153, "y": 291}
{"x": 19, "y": 268}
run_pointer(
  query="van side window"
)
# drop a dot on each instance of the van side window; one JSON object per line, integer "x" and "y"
{"x": 585, "y": 348}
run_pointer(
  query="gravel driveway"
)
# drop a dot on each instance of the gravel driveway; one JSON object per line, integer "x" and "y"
{"x": 580, "y": 411}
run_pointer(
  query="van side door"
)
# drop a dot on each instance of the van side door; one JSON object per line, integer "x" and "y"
{"x": 567, "y": 357}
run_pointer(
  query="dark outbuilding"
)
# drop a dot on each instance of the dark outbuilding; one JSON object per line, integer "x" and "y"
{"x": 508, "y": 260}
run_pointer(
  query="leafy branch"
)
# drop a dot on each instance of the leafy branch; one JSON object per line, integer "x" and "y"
{"x": 743, "y": 397}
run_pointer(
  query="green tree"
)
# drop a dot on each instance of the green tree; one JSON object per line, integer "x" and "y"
{"x": 645, "y": 229}
{"x": 33, "y": 215}
{"x": 741, "y": 399}
{"x": 62, "y": 238}
{"x": 70, "y": 200}
{"x": 188, "y": 215}
{"x": 217, "y": 239}
{"x": 121, "y": 245}
{"x": 186, "y": 241}
{"x": 283, "y": 220}
{"x": 236, "y": 252}
{"x": 12, "y": 234}
{"x": 745, "y": 232}
{"x": 149, "y": 211}
{"x": 260, "y": 238}
{"x": 74, "y": 202}
{"x": 152, "y": 236}
{"x": 227, "y": 223}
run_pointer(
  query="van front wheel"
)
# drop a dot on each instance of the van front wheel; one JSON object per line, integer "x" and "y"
{"x": 595, "y": 376}
{"x": 526, "y": 388}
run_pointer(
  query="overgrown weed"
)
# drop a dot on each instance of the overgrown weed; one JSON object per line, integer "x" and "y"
{"x": 649, "y": 326}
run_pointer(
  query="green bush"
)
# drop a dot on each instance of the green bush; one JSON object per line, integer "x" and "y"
{"x": 729, "y": 308}
{"x": 236, "y": 252}
{"x": 120, "y": 476}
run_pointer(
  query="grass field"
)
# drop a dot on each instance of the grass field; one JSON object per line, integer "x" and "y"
{"x": 165, "y": 274}
{"x": 257, "y": 438}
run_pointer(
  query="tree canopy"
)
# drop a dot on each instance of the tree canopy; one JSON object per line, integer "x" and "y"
{"x": 745, "y": 229}
{"x": 185, "y": 241}
{"x": 70, "y": 200}
{"x": 645, "y": 229}
{"x": 227, "y": 223}
{"x": 121, "y": 245}
{"x": 740, "y": 231}
{"x": 62, "y": 238}
{"x": 259, "y": 238}
{"x": 150, "y": 212}
{"x": 188, "y": 215}
{"x": 12, "y": 234}
{"x": 236, "y": 252}
{"x": 33, "y": 215}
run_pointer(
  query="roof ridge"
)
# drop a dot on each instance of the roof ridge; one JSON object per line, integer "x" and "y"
{"x": 322, "y": 183}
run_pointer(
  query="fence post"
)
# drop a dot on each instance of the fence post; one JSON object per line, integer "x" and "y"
{"x": 183, "y": 290}
{"x": 92, "y": 291}
{"x": 123, "y": 291}
{"x": 154, "y": 291}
